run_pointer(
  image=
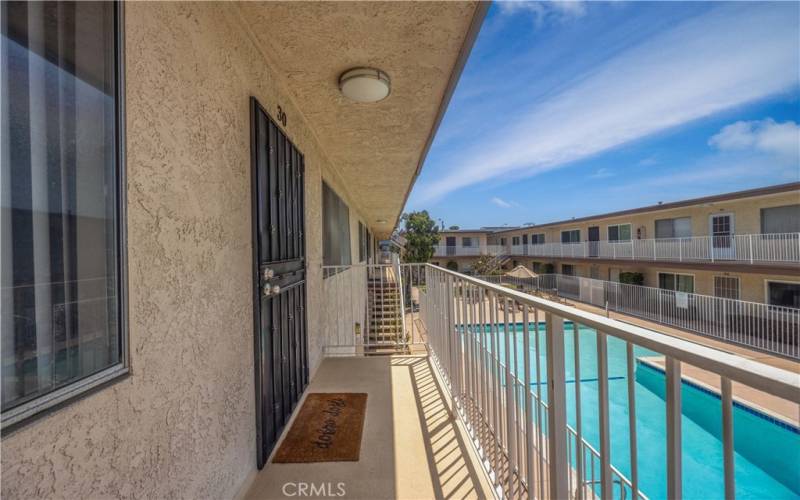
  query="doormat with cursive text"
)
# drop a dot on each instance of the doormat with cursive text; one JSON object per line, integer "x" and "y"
{"x": 327, "y": 429}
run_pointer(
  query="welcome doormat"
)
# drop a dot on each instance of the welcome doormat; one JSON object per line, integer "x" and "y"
{"x": 328, "y": 428}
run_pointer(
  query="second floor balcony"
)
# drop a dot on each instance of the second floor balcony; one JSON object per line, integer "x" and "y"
{"x": 551, "y": 401}
{"x": 742, "y": 248}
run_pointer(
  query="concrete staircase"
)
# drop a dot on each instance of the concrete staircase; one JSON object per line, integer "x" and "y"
{"x": 497, "y": 262}
{"x": 385, "y": 312}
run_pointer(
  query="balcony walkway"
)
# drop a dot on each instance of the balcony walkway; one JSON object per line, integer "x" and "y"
{"x": 412, "y": 446}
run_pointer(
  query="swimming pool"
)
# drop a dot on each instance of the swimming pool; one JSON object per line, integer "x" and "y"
{"x": 767, "y": 453}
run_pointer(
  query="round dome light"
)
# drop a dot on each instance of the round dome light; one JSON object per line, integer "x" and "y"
{"x": 365, "y": 84}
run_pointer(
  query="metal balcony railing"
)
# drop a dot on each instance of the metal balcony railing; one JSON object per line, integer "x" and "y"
{"x": 740, "y": 248}
{"x": 513, "y": 363}
{"x": 763, "y": 327}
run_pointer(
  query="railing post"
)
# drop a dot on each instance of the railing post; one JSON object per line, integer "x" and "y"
{"x": 674, "y": 489}
{"x": 606, "y": 484}
{"x": 727, "y": 438}
{"x": 556, "y": 409}
{"x": 750, "y": 245}
{"x": 680, "y": 249}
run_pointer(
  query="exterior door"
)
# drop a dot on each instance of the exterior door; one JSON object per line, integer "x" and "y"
{"x": 594, "y": 237}
{"x": 279, "y": 282}
{"x": 721, "y": 231}
{"x": 450, "y": 242}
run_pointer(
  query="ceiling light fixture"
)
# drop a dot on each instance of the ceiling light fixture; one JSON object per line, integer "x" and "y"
{"x": 365, "y": 84}
{"x": 381, "y": 221}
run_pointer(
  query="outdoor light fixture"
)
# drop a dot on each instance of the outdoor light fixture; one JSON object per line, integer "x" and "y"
{"x": 381, "y": 221}
{"x": 365, "y": 84}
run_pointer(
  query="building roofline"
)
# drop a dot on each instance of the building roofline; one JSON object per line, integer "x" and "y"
{"x": 747, "y": 193}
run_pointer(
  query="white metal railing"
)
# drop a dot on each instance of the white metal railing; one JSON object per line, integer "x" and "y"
{"x": 459, "y": 251}
{"x": 742, "y": 248}
{"x": 747, "y": 248}
{"x": 349, "y": 300}
{"x": 764, "y": 327}
{"x": 524, "y": 440}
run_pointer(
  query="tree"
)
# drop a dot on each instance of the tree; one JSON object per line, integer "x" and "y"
{"x": 484, "y": 266}
{"x": 421, "y": 234}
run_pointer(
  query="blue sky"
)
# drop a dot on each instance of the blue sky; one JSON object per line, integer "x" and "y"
{"x": 567, "y": 109}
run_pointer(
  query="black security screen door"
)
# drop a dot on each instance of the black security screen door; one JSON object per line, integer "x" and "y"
{"x": 279, "y": 283}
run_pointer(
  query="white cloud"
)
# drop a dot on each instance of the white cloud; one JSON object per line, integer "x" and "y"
{"x": 767, "y": 136}
{"x": 501, "y": 202}
{"x": 602, "y": 173}
{"x": 554, "y": 10}
{"x": 734, "y": 54}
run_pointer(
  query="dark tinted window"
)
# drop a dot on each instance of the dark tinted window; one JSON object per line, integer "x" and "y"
{"x": 784, "y": 294}
{"x": 335, "y": 229}
{"x": 60, "y": 180}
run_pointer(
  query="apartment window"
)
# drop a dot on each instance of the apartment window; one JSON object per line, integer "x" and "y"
{"x": 363, "y": 242}
{"x": 676, "y": 282}
{"x": 503, "y": 241}
{"x": 466, "y": 241}
{"x": 619, "y": 232}
{"x": 524, "y": 239}
{"x": 781, "y": 293}
{"x": 568, "y": 269}
{"x": 571, "y": 236}
{"x": 726, "y": 287}
{"x": 680, "y": 227}
{"x": 537, "y": 267}
{"x": 62, "y": 300}
{"x": 515, "y": 240}
{"x": 335, "y": 229}
{"x": 537, "y": 239}
{"x": 784, "y": 219}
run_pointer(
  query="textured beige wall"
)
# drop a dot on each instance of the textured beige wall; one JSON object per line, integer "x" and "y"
{"x": 747, "y": 215}
{"x": 183, "y": 424}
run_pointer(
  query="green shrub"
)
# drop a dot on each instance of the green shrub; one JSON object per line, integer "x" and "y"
{"x": 631, "y": 278}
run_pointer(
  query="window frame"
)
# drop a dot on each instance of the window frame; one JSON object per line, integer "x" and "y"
{"x": 574, "y": 230}
{"x": 466, "y": 242}
{"x": 738, "y": 286}
{"x": 766, "y": 290}
{"x": 618, "y": 240}
{"x": 62, "y": 396}
{"x": 675, "y": 281}
{"x": 672, "y": 222}
{"x": 537, "y": 239}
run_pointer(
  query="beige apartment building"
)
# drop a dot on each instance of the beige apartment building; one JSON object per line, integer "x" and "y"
{"x": 743, "y": 245}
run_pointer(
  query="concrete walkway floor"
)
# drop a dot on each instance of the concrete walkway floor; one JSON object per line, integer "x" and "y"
{"x": 412, "y": 447}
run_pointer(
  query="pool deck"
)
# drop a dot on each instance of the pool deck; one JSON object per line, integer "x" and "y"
{"x": 771, "y": 405}
{"x": 775, "y": 407}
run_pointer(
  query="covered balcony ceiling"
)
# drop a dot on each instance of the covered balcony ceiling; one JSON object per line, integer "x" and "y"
{"x": 376, "y": 148}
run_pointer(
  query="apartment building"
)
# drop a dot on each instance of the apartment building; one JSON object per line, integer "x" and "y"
{"x": 742, "y": 245}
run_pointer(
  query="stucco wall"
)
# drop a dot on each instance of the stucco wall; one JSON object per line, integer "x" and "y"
{"x": 747, "y": 214}
{"x": 182, "y": 424}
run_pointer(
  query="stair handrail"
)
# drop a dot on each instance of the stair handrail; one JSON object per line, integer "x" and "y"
{"x": 396, "y": 268}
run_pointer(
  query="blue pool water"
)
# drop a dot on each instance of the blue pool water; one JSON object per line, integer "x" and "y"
{"x": 767, "y": 459}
